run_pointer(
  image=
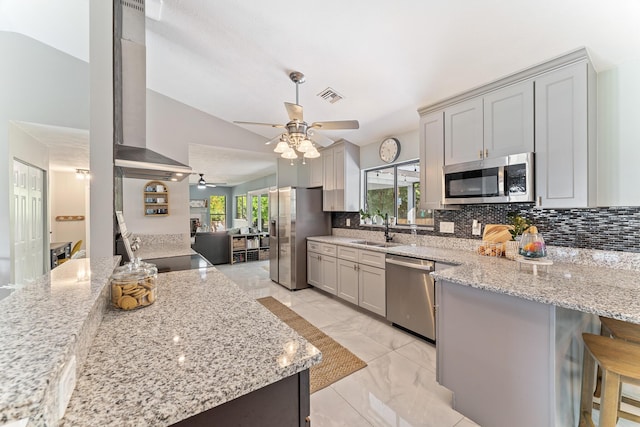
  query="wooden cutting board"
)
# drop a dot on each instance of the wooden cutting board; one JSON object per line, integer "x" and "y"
{"x": 498, "y": 233}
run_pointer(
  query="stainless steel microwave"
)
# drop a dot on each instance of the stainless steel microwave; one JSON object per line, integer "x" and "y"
{"x": 506, "y": 179}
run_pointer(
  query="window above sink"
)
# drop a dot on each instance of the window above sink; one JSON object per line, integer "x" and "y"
{"x": 395, "y": 190}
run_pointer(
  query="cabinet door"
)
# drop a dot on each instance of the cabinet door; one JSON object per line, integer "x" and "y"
{"x": 328, "y": 179}
{"x": 372, "y": 289}
{"x": 315, "y": 172}
{"x": 561, "y": 160}
{"x": 348, "y": 281}
{"x": 339, "y": 169}
{"x": 329, "y": 275}
{"x": 432, "y": 159}
{"x": 314, "y": 269}
{"x": 463, "y": 132}
{"x": 508, "y": 120}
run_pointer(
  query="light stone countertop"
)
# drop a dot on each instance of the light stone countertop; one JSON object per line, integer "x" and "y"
{"x": 43, "y": 324}
{"x": 202, "y": 343}
{"x": 609, "y": 292}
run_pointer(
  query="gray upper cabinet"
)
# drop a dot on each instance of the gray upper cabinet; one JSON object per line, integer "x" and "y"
{"x": 432, "y": 159}
{"x": 463, "y": 132}
{"x": 548, "y": 109}
{"x": 494, "y": 125}
{"x": 508, "y": 120}
{"x": 341, "y": 178}
{"x": 565, "y": 159}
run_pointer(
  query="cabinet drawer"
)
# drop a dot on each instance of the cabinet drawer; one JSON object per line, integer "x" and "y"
{"x": 374, "y": 259}
{"x": 347, "y": 253}
{"x": 313, "y": 247}
{"x": 327, "y": 249}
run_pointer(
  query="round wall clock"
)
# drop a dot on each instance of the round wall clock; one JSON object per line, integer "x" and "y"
{"x": 389, "y": 150}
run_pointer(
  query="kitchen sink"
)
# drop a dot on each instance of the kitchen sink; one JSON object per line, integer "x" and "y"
{"x": 376, "y": 244}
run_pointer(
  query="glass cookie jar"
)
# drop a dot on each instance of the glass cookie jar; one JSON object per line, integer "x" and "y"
{"x": 133, "y": 285}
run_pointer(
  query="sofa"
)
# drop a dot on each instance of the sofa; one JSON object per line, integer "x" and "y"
{"x": 214, "y": 246}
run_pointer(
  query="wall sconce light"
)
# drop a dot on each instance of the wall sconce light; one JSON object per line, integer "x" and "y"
{"x": 83, "y": 174}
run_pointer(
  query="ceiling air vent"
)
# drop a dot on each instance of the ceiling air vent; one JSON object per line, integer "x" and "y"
{"x": 330, "y": 95}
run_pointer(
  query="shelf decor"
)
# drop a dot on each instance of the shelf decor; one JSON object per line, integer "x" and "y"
{"x": 155, "y": 199}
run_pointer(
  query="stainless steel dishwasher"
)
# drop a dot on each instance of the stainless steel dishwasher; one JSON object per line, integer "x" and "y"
{"x": 411, "y": 294}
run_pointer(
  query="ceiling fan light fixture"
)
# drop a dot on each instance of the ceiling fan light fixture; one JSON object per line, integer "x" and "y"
{"x": 202, "y": 184}
{"x": 282, "y": 146}
{"x": 305, "y": 146}
{"x": 289, "y": 154}
{"x": 312, "y": 153}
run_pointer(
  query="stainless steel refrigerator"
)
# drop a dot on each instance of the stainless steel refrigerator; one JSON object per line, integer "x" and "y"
{"x": 294, "y": 215}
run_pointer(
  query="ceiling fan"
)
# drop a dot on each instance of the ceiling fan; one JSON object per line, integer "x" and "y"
{"x": 299, "y": 135}
{"x": 202, "y": 184}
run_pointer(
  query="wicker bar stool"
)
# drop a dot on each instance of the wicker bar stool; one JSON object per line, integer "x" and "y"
{"x": 620, "y": 363}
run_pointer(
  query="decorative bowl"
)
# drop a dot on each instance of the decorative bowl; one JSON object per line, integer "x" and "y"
{"x": 532, "y": 246}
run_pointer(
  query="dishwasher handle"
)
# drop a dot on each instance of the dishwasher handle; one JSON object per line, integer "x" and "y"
{"x": 410, "y": 265}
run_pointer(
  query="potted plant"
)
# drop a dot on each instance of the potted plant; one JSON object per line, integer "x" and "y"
{"x": 365, "y": 217}
{"x": 518, "y": 225}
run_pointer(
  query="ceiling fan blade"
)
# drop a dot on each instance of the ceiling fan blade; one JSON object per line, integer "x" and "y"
{"x": 340, "y": 124}
{"x": 261, "y": 124}
{"x": 321, "y": 140}
{"x": 294, "y": 111}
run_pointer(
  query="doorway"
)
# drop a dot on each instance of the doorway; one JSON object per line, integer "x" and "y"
{"x": 29, "y": 260}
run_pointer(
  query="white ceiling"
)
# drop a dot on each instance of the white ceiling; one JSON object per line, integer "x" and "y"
{"x": 231, "y": 59}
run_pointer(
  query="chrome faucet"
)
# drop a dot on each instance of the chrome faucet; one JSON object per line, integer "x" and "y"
{"x": 387, "y": 237}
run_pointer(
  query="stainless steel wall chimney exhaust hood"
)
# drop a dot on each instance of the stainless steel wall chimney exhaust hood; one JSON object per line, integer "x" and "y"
{"x": 132, "y": 158}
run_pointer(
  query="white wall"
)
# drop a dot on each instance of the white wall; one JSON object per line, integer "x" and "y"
{"x": 409, "y": 150}
{"x": 619, "y": 135}
{"x": 101, "y": 143}
{"x": 177, "y": 222}
{"x": 35, "y": 83}
{"x": 67, "y": 196}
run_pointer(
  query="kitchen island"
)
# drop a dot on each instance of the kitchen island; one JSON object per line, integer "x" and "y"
{"x": 202, "y": 344}
{"x": 203, "y": 350}
{"x": 509, "y": 342}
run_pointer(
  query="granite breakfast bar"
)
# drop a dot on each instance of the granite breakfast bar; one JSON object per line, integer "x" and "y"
{"x": 203, "y": 350}
{"x": 202, "y": 344}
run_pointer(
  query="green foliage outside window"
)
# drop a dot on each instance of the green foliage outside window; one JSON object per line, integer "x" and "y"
{"x": 218, "y": 212}
{"x": 241, "y": 207}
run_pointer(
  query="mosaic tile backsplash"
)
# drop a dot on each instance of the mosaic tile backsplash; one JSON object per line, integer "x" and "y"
{"x": 610, "y": 229}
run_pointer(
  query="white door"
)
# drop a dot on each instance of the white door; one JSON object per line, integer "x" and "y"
{"x": 28, "y": 214}
{"x": 372, "y": 295}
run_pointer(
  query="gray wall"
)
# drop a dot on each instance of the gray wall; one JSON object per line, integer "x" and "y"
{"x": 257, "y": 184}
{"x": 197, "y": 194}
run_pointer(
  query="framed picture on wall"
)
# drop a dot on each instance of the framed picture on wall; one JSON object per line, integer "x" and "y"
{"x": 198, "y": 203}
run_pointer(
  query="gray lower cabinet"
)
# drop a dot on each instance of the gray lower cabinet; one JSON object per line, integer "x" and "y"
{"x": 565, "y": 160}
{"x": 322, "y": 267}
{"x": 348, "y": 281}
{"x": 361, "y": 278}
{"x": 372, "y": 289}
{"x": 509, "y": 361}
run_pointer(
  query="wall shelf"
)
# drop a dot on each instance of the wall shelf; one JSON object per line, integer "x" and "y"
{"x": 155, "y": 197}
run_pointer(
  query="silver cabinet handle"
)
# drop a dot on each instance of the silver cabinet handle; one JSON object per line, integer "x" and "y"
{"x": 486, "y": 153}
{"x": 480, "y": 154}
{"x": 410, "y": 265}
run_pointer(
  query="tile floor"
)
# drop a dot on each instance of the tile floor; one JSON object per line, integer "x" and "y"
{"x": 398, "y": 386}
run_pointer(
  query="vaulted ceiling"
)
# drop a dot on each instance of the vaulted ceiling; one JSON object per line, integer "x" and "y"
{"x": 231, "y": 59}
